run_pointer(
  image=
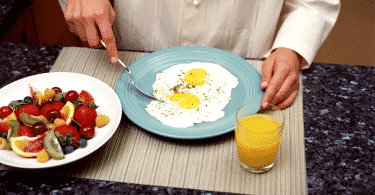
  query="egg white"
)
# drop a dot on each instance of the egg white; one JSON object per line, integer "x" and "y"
{"x": 214, "y": 95}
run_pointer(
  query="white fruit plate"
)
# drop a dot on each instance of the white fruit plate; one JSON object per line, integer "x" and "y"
{"x": 105, "y": 97}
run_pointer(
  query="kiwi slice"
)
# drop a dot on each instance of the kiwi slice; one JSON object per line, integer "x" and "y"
{"x": 29, "y": 120}
{"x": 14, "y": 131}
{"x": 52, "y": 146}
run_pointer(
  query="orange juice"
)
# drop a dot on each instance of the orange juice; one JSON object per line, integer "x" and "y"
{"x": 258, "y": 139}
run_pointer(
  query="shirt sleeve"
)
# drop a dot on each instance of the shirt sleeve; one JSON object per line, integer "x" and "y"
{"x": 304, "y": 25}
{"x": 62, "y": 5}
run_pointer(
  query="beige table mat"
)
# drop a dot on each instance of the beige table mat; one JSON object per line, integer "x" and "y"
{"x": 133, "y": 155}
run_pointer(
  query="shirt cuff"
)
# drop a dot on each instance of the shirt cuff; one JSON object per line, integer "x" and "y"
{"x": 303, "y": 31}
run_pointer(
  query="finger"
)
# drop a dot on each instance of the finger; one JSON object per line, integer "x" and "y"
{"x": 293, "y": 88}
{"x": 289, "y": 85}
{"x": 81, "y": 31}
{"x": 274, "y": 86}
{"x": 70, "y": 23}
{"x": 68, "y": 16}
{"x": 108, "y": 38}
{"x": 112, "y": 16}
{"x": 267, "y": 70}
{"x": 72, "y": 28}
{"x": 91, "y": 33}
{"x": 74, "y": 17}
{"x": 288, "y": 101}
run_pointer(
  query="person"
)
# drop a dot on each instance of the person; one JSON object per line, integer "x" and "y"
{"x": 287, "y": 33}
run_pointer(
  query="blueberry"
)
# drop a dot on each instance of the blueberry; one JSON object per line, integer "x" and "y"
{"x": 68, "y": 149}
{"x": 82, "y": 143}
{"x": 4, "y": 134}
{"x": 28, "y": 100}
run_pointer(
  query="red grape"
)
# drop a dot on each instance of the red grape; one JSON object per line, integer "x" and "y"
{"x": 57, "y": 90}
{"x": 71, "y": 96}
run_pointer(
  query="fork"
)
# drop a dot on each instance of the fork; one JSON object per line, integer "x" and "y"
{"x": 130, "y": 74}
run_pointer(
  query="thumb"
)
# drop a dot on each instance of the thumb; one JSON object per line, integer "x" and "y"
{"x": 267, "y": 70}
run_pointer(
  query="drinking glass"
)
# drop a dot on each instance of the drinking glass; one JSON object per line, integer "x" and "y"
{"x": 258, "y": 135}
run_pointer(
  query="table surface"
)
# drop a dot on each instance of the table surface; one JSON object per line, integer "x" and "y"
{"x": 338, "y": 129}
{"x": 137, "y": 156}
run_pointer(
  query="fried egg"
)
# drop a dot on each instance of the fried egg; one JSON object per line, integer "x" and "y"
{"x": 192, "y": 93}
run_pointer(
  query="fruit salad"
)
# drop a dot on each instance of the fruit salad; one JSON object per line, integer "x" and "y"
{"x": 50, "y": 124}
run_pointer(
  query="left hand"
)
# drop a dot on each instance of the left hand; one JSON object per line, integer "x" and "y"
{"x": 280, "y": 78}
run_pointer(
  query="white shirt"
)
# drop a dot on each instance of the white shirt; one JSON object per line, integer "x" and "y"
{"x": 248, "y": 28}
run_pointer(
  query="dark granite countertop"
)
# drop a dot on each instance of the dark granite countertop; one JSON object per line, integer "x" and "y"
{"x": 20, "y": 183}
{"x": 339, "y": 130}
{"x": 5, "y": 7}
{"x": 20, "y": 60}
{"x": 339, "y": 109}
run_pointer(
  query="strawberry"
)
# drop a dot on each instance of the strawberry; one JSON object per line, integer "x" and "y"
{"x": 85, "y": 116}
{"x": 87, "y": 132}
{"x": 58, "y": 105}
{"x": 86, "y": 97}
{"x": 30, "y": 109}
{"x": 55, "y": 105}
{"x": 5, "y": 111}
{"x": 26, "y": 131}
{"x": 45, "y": 109}
{"x": 65, "y": 129}
{"x": 4, "y": 127}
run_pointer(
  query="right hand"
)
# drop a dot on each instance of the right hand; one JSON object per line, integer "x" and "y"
{"x": 92, "y": 20}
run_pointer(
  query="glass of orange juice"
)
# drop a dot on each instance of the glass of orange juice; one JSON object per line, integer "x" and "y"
{"x": 258, "y": 135}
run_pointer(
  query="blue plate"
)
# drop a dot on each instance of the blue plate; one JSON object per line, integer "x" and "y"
{"x": 144, "y": 72}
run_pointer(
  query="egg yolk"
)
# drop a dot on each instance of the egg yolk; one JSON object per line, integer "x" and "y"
{"x": 185, "y": 100}
{"x": 196, "y": 77}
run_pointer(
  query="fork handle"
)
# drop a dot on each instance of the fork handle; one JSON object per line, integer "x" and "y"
{"x": 117, "y": 58}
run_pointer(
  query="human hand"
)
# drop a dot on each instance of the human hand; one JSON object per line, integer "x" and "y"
{"x": 280, "y": 78}
{"x": 92, "y": 20}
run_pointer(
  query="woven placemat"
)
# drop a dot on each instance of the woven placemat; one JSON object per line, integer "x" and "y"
{"x": 133, "y": 155}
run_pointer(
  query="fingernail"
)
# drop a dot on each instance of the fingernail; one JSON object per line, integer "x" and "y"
{"x": 263, "y": 84}
{"x": 113, "y": 60}
{"x": 264, "y": 105}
